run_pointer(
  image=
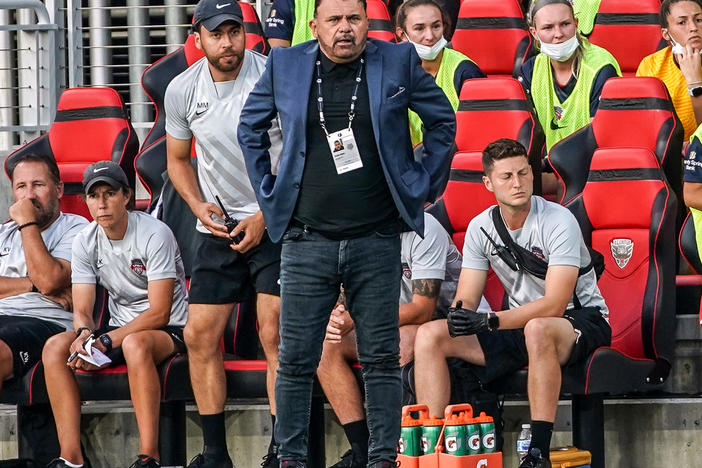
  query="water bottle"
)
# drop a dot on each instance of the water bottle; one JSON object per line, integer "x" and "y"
{"x": 524, "y": 441}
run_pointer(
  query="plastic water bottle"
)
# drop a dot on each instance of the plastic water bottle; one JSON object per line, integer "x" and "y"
{"x": 524, "y": 441}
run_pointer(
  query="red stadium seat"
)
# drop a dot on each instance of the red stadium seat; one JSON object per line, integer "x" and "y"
{"x": 633, "y": 112}
{"x": 494, "y": 34}
{"x": 495, "y": 108}
{"x": 91, "y": 124}
{"x": 380, "y": 26}
{"x": 629, "y": 29}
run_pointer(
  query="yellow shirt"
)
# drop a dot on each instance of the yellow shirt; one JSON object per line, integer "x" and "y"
{"x": 662, "y": 66}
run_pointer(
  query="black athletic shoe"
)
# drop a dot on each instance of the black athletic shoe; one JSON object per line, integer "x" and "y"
{"x": 350, "y": 460}
{"x": 203, "y": 460}
{"x": 292, "y": 464}
{"x": 58, "y": 463}
{"x": 145, "y": 461}
{"x": 384, "y": 464}
{"x": 534, "y": 459}
{"x": 270, "y": 460}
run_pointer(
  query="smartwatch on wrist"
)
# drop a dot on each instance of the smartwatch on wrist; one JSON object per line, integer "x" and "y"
{"x": 106, "y": 342}
{"x": 696, "y": 91}
{"x": 493, "y": 321}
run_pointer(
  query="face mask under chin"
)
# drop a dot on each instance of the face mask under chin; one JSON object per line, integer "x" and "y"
{"x": 562, "y": 51}
{"x": 427, "y": 52}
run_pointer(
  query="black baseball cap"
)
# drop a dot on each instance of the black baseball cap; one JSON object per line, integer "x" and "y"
{"x": 212, "y": 13}
{"x": 108, "y": 172}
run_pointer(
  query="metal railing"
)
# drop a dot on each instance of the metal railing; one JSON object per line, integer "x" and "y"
{"x": 29, "y": 80}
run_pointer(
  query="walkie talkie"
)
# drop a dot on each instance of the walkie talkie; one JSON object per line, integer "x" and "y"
{"x": 230, "y": 222}
{"x": 504, "y": 253}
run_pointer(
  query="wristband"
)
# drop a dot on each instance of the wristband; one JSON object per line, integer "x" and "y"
{"x": 31, "y": 223}
{"x": 106, "y": 342}
{"x": 81, "y": 330}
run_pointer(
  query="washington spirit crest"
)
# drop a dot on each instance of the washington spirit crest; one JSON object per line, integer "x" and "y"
{"x": 622, "y": 249}
{"x": 138, "y": 266}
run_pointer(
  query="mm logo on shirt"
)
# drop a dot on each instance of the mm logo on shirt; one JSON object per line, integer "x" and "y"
{"x": 138, "y": 266}
{"x": 201, "y": 108}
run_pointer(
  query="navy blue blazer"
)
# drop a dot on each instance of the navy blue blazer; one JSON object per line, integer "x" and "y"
{"x": 396, "y": 83}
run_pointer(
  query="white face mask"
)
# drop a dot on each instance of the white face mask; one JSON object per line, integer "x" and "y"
{"x": 562, "y": 51}
{"x": 677, "y": 48}
{"x": 426, "y": 52}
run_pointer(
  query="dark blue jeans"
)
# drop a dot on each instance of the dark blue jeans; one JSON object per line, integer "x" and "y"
{"x": 312, "y": 268}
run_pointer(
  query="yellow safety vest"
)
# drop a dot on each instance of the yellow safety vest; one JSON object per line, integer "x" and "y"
{"x": 585, "y": 11}
{"x": 697, "y": 214}
{"x": 304, "y": 12}
{"x": 560, "y": 119}
{"x": 450, "y": 61}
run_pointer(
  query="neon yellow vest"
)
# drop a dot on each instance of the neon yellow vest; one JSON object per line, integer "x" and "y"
{"x": 574, "y": 113}
{"x": 304, "y": 12}
{"x": 444, "y": 79}
{"x": 697, "y": 214}
{"x": 585, "y": 11}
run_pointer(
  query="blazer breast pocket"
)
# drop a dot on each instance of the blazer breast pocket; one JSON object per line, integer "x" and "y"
{"x": 396, "y": 95}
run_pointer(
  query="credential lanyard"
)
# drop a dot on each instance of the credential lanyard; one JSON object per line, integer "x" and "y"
{"x": 320, "y": 99}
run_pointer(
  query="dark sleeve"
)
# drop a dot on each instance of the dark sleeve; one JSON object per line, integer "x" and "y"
{"x": 465, "y": 71}
{"x": 693, "y": 162}
{"x": 281, "y": 20}
{"x": 525, "y": 74}
{"x": 607, "y": 72}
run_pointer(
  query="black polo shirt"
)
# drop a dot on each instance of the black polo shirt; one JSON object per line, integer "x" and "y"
{"x": 342, "y": 206}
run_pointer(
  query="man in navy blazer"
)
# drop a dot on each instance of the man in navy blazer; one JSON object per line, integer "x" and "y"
{"x": 339, "y": 211}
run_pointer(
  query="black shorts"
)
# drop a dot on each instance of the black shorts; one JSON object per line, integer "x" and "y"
{"x": 221, "y": 275}
{"x": 505, "y": 350}
{"x": 26, "y": 337}
{"x": 117, "y": 356}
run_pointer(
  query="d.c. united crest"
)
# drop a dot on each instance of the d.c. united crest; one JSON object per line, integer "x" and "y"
{"x": 622, "y": 249}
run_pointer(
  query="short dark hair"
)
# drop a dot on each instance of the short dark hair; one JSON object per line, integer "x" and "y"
{"x": 401, "y": 15}
{"x": 49, "y": 161}
{"x": 501, "y": 149}
{"x": 665, "y": 10}
{"x": 319, "y": 2}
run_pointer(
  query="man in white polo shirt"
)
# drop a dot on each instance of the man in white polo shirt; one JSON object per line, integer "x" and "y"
{"x": 35, "y": 264}
{"x": 204, "y": 103}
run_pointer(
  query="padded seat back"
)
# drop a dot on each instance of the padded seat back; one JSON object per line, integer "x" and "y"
{"x": 494, "y": 34}
{"x": 255, "y": 39}
{"x": 380, "y": 26}
{"x": 464, "y": 198}
{"x": 633, "y": 112}
{"x": 91, "y": 124}
{"x": 627, "y": 212}
{"x": 494, "y": 108}
{"x": 629, "y": 29}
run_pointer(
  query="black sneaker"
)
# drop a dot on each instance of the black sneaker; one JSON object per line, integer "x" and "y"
{"x": 350, "y": 460}
{"x": 292, "y": 464}
{"x": 384, "y": 464}
{"x": 270, "y": 460}
{"x": 59, "y": 463}
{"x": 534, "y": 459}
{"x": 203, "y": 460}
{"x": 145, "y": 461}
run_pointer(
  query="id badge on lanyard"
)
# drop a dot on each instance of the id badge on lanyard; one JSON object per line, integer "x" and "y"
{"x": 342, "y": 143}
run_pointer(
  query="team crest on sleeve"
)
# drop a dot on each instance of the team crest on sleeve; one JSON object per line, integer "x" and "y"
{"x": 137, "y": 266}
{"x": 406, "y": 270}
{"x": 622, "y": 249}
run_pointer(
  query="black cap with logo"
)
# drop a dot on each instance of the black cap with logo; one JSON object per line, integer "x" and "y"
{"x": 108, "y": 172}
{"x": 212, "y": 13}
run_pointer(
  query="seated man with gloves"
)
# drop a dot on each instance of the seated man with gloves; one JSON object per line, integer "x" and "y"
{"x": 556, "y": 318}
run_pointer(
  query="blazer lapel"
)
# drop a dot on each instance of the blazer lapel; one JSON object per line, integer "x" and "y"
{"x": 374, "y": 78}
{"x": 305, "y": 67}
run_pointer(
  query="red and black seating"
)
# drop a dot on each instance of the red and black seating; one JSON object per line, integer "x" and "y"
{"x": 629, "y": 29}
{"x": 380, "y": 24}
{"x": 494, "y": 108}
{"x": 634, "y": 112}
{"x": 91, "y": 124}
{"x": 494, "y": 34}
{"x": 627, "y": 212}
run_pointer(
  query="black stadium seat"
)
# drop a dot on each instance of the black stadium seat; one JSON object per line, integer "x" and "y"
{"x": 91, "y": 124}
{"x": 627, "y": 212}
{"x": 494, "y": 34}
{"x": 629, "y": 29}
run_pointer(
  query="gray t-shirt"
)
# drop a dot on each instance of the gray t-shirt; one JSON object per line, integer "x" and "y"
{"x": 551, "y": 232}
{"x": 58, "y": 239}
{"x": 198, "y": 107}
{"x": 148, "y": 252}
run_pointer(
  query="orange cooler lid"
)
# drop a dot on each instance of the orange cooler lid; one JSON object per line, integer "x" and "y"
{"x": 433, "y": 421}
{"x": 409, "y": 421}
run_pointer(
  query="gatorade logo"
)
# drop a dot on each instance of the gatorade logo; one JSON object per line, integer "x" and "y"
{"x": 483, "y": 463}
{"x": 424, "y": 444}
{"x": 451, "y": 444}
{"x": 489, "y": 441}
{"x": 401, "y": 445}
{"x": 474, "y": 442}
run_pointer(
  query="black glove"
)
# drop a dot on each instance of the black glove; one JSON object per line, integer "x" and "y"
{"x": 462, "y": 321}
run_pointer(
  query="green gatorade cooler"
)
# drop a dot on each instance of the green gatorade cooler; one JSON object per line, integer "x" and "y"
{"x": 431, "y": 429}
{"x": 411, "y": 436}
{"x": 487, "y": 433}
{"x": 473, "y": 436}
{"x": 455, "y": 435}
